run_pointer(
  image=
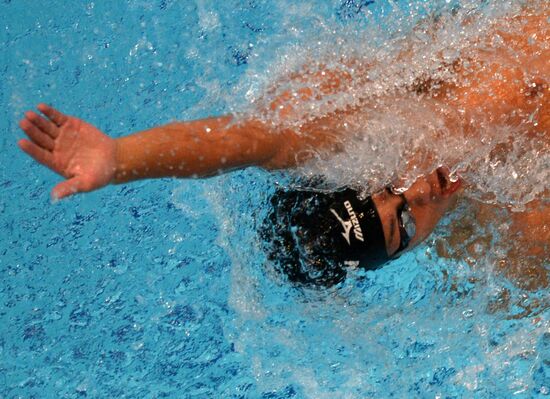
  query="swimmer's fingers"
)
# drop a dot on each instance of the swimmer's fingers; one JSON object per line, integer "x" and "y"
{"x": 55, "y": 116}
{"x": 35, "y": 133}
{"x": 43, "y": 124}
{"x": 39, "y": 154}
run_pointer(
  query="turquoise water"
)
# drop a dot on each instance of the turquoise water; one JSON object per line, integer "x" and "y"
{"x": 161, "y": 289}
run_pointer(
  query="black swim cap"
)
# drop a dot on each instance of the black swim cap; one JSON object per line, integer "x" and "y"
{"x": 314, "y": 236}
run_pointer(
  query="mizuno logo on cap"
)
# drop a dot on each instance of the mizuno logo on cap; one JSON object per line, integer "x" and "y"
{"x": 352, "y": 223}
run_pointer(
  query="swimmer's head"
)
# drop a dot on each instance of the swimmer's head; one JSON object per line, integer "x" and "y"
{"x": 428, "y": 199}
{"x": 315, "y": 237}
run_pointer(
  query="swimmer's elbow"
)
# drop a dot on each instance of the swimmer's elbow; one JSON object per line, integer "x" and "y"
{"x": 295, "y": 148}
{"x": 284, "y": 150}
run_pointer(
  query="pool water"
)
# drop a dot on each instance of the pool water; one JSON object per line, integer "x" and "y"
{"x": 161, "y": 288}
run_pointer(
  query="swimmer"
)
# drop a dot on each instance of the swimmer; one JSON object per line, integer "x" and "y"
{"x": 366, "y": 232}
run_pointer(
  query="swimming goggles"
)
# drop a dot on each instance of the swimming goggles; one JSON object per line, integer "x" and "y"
{"x": 407, "y": 225}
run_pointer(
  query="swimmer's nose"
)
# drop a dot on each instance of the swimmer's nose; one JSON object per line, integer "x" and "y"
{"x": 447, "y": 185}
{"x": 442, "y": 177}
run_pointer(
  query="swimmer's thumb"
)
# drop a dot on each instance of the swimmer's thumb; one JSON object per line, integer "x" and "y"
{"x": 69, "y": 187}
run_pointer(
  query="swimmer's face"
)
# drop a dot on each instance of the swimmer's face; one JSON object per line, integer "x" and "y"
{"x": 428, "y": 198}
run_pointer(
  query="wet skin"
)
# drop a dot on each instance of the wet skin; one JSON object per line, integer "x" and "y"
{"x": 429, "y": 198}
{"x": 487, "y": 91}
{"x": 513, "y": 93}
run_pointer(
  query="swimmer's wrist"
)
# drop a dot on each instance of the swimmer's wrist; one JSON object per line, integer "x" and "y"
{"x": 121, "y": 174}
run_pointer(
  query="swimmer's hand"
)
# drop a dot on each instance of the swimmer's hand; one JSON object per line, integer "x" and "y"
{"x": 76, "y": 150}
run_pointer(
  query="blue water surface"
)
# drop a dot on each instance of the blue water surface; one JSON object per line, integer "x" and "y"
{"x": 161, "y": 288}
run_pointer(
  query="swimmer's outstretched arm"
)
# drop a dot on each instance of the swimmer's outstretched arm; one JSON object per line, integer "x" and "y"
{"x": 202, "y": 148}
{"x": 89, "y": 159}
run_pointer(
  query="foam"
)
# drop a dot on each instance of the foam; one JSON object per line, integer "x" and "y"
{"x": 423, "y": 322}
{"x": 393, "y": 129}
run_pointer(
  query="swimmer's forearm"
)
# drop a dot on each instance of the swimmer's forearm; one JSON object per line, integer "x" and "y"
{"x": 199, "y": 148}
{"x": 212, "y": 146}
